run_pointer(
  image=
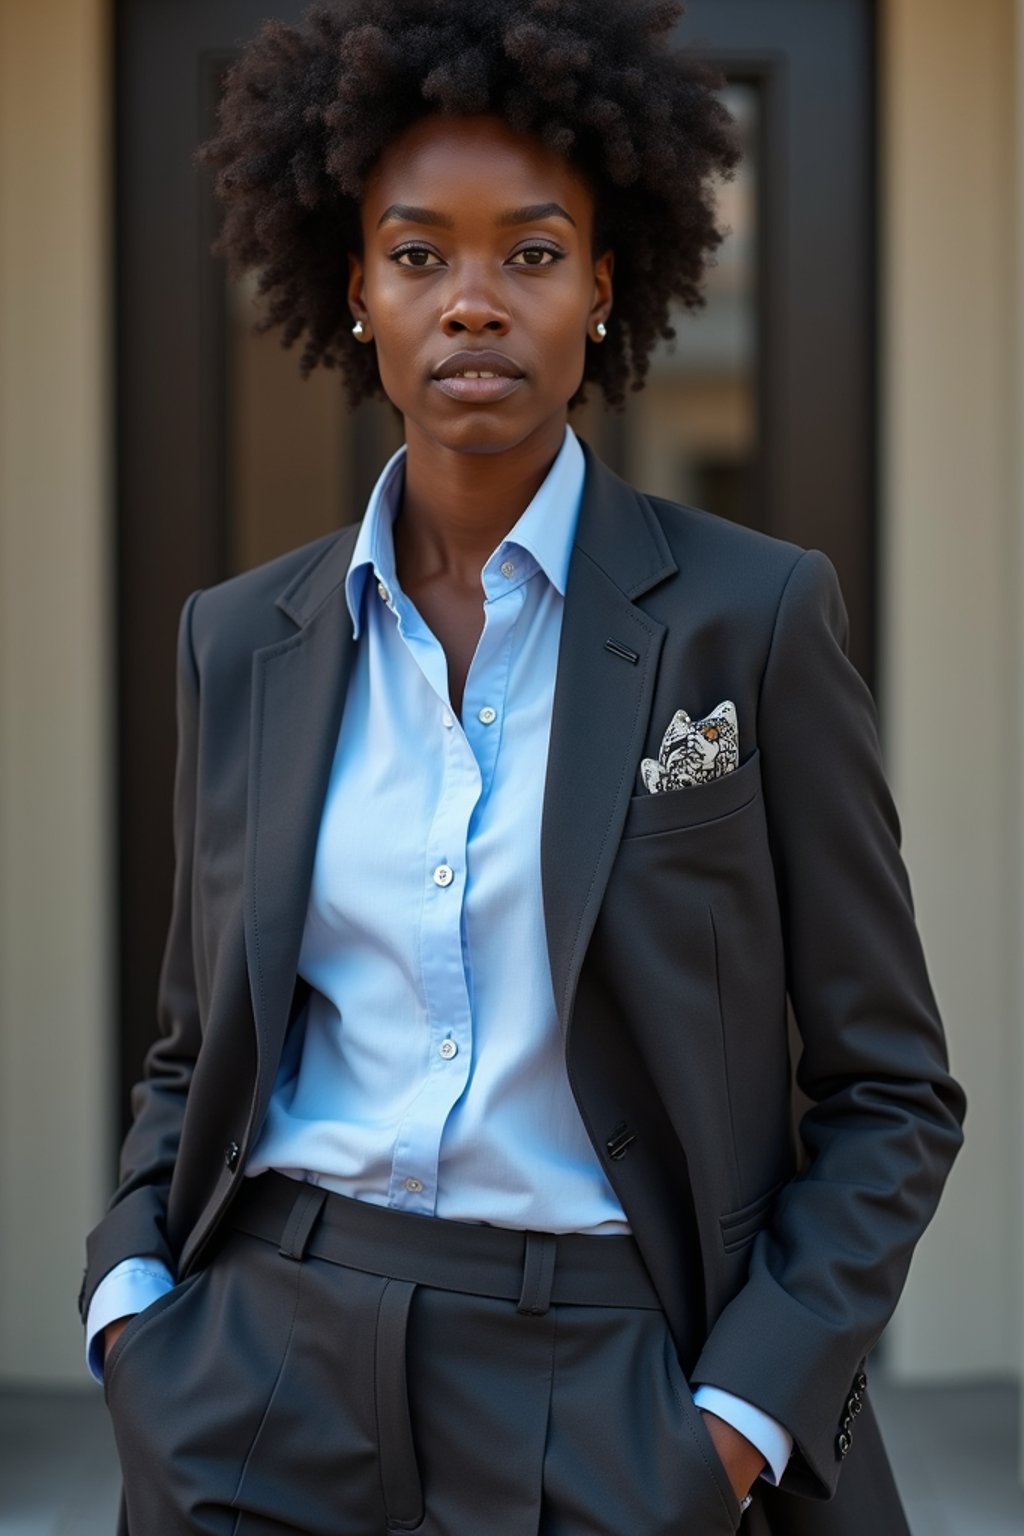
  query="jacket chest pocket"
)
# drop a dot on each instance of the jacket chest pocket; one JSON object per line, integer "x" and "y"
{"x": 696, "y": 805}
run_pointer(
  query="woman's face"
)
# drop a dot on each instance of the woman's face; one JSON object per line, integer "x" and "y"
{"x": 476, "y": 238}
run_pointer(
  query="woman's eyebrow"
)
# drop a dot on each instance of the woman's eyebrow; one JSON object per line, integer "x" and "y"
{"x": 534, "y": 211}
{"x": 525, "y": 215}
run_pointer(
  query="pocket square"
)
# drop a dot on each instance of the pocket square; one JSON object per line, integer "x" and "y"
{"x": 694, "y": 751}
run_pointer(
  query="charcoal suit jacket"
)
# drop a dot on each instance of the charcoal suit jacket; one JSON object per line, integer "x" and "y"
{"x": 687, "y": 930}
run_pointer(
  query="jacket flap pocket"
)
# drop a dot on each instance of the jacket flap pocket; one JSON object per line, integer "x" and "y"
{"x": 743, "y": 1224}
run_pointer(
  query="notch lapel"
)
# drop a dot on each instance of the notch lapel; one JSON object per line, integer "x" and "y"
{"x": 600, "y": 712}
{"x": 298, "y": 694}
{"x": 602, "y": 702}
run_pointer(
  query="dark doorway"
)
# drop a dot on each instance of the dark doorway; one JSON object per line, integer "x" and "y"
{"x": 763, "y": 411}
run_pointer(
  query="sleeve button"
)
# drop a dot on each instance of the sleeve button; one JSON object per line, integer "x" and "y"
{"x": 843, "y": 1443}
{"x": 231, "y": 1154}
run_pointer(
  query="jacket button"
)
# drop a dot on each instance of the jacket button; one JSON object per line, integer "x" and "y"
{"x": 231, "y": 1152}
{"x": 843, "y": 1443}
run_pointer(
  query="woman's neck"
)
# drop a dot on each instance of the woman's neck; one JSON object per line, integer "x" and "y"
{"x": 457, "y": 507}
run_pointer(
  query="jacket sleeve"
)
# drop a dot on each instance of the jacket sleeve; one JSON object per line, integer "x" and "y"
{"x": 134, "y": 1223}
{"x": 884, "y": 1119}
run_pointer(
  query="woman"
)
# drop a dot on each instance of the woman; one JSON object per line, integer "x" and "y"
{"x": 460, "y": 1192}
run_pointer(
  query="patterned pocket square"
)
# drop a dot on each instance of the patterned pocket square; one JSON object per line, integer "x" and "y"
{"x": 694, "y": 751}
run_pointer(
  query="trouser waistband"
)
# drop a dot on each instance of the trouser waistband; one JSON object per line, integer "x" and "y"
{"x": 533, "y": 1269}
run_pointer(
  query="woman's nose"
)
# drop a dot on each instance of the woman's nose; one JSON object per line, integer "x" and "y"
{"x": 474, "y": 303}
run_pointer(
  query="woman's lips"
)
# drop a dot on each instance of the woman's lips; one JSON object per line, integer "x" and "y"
{"x": 461, "y": 388}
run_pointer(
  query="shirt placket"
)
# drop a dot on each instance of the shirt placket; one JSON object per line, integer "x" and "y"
{"x": 468, "y": 757}
{"x": 414, "y": 1170}
{"x": 485, "y": 698}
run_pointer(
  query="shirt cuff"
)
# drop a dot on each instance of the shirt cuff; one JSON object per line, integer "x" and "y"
{"x": 127, "y": 1288}
{"x": 763, "y": 1432}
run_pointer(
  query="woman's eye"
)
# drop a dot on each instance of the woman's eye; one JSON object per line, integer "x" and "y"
{"x": 540, "y": 250}
{"x": 411, "y": 250}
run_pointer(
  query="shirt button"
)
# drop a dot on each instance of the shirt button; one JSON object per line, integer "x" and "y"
{"x": 448, "y": 1049}
{"x": 508, "y": 568}
{"x": 447, "y": 721}
{"x": 487, "y": 715}
{"x": 414, "y": 1186}
{"x": 382, "y": 589}
{"x": 444, "y": 874}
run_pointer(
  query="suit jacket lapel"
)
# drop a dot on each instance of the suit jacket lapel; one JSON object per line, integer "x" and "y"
{"x": 298, "y": 694}
{"x": 601, "y": 705}
{"x": 604, "y": 686}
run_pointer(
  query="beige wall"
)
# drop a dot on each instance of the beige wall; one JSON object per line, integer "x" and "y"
{"x": 1016, "y": 333}
{"x": 952, "y": 674}
{"x": 953, "y": 660}
{"x": 55, "y": 783}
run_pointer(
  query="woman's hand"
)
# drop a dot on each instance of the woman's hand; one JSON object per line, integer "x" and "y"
{"x": 111, "y": 1332}
{"x": 742, "y": 1461}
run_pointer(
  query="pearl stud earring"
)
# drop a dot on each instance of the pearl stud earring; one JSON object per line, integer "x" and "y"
{"x": 357, "y": 329}
{"x": 602, "y": 329}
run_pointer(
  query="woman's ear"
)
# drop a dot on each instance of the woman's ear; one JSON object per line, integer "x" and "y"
{"x": 601, "y": 308}
{"x": 355, "y": 295}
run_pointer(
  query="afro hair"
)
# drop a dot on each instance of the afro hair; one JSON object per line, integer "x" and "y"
{"x": 306, "y": 111}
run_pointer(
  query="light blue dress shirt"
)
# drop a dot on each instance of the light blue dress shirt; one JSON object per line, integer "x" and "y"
{"x": 430, "y": 1077}
{"x": 426, "y": 1071}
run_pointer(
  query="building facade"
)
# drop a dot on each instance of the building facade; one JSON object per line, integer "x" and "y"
{"x": 948, "y": 639}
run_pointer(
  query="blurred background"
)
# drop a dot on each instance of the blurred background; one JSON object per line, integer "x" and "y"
{"x": 855, "y": 383}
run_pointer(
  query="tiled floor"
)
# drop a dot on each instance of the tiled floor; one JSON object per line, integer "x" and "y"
{"x": 953, "y": 1452}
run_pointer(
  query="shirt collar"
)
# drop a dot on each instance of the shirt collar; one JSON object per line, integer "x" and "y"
{"x": 545, "y": 530}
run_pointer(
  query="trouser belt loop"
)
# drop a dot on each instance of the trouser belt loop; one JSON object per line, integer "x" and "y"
{"x": 538, "y": 1274}
{"x": 301, "y": 1220}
